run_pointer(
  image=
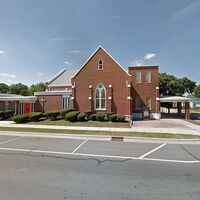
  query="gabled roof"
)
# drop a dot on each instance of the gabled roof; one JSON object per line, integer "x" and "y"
{"x": 62, "y": 78}
{"x": 100, "y": 47}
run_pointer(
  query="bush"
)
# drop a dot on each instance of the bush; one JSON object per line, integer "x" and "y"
{"x": 93, "y": 117}
{"x": 100, "y": 116}
{"x": 88, "y": 114}
{"x": 71, "y": 116}
{"x": 2, "y": 114}
{"x": 35, "y": 116}
{"x": 113, "y": 117}
{"x": 121, "y": 118}
{"x": 52, "y": 114}
{"x": 67, "y": 110}
{"x": 22, "y": 118}
{"x": 81, "y": 117}
{"x": 9, "y": 113}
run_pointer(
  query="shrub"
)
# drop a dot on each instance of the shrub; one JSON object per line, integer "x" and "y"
{"x": 93, "y": 117}
{"x": 88, "y": 114}
{"x": 67, "y": 110}
{"x": 22, "y": 118}
{"x": 121, "y": 118}
{"x": 113, "y": 117}
{"x": 2, "y": 114}
{"x": 100, "y": 116}
{"x": 52, "y": 114}
{"x": 72, "y": 116}
{"x": 81, "y": 116}
{"x": 8, "y": 113}
{"x": 35, "y": 116}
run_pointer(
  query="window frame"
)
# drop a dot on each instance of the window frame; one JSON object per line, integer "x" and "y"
{"x": 100, "y": 68}
{"x": 99, "y": 99}
{"x": 150, "y": 77}
{"x": 140, "y": 77}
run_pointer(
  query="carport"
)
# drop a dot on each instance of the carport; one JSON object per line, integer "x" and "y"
{"x": 179, "y": 101}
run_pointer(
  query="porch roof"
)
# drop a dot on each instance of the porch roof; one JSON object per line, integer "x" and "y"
{"x": 14, "y": 97}
{"x": 174, "y": 99}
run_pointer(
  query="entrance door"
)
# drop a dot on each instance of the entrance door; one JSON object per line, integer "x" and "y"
{"x": 27, "y": 107}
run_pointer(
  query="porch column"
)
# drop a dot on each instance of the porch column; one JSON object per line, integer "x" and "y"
{"x": 72, "y": 102}
{"x": 129, "y": 98}
{"x": 179, "y": 109}
{"x": 90, "y": 98}
{"x": 16, "y": 107}
{"x": 187, "y": 110}
{"x": 110, "y": 98}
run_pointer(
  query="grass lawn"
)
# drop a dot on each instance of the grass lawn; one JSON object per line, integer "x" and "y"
{"x": 197, "y": 122}
{"x": 61, "y": 122}
{"x": 133, "y": 134}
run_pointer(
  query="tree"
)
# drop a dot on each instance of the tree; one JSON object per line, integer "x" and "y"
{"x": 19, "y": 89}
{"x": 170, "y": 85}
{"x": 39, "y": 87}
{"x": 197, "y": 91}
{"x": 3, "y": 88}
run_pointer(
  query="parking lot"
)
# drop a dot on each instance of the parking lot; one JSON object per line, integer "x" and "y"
{"x": 63, "y": 147}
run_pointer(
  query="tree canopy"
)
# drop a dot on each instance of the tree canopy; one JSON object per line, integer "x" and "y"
{"x": 39, "y": 87}
{"x": 171, "y": 85}
{"x": 197, "y": 91}
{"x": 4, "y": 88}
{"x": 19, "y": 89}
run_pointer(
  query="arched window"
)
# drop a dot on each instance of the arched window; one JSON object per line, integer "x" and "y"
{"x": 100, "y": 97}
{"x": 100, "y": 65}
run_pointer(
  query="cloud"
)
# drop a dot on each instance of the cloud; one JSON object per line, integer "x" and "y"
{"x": 2, "y": 52}
{"x": 149, "y": 56}
{"x": 68, "y": 63}
{"x": 185, "y": 12}
{"x": 74, "y": 51}
{"x": 8, "y": 75}
{"x": 67, "y": 39}
{"x": 40, "y": 74}
{"x": 138, "y": 62}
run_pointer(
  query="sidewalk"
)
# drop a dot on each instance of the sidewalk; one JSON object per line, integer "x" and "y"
{"x": 191, "y": 129}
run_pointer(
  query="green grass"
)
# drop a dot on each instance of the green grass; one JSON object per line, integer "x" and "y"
{"x": 132, "y": 134}
{"x": 197, "y": 122}
{"x": 62, "y": 122}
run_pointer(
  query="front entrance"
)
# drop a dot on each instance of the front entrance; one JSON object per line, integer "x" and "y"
{"x": 27, "y": 107}
{"x": 146, "y": 113}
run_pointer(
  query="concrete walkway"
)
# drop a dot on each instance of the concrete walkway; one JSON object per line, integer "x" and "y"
{"x": 189, "y": 128}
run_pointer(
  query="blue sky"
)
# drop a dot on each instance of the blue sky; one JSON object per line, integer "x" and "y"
{"x": 38, "y": 38}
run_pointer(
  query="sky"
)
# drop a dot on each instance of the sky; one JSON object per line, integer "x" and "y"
{"x": 38, "y": 38}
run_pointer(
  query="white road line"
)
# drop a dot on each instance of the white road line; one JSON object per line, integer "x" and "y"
{"x": 102, "y": 156}
{"x": 153, "y": 150}
{"x": 79, "y": 146}
{"x": 11, "y": 140}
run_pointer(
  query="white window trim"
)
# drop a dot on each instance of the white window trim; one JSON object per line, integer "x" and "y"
{"x": 100, "y": 98}
{"x": 146, "y": 77}
{"x": 140, "y": 77}
{"x": 101, "y": 64}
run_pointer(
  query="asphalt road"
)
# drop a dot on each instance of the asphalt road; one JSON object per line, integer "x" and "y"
{"x": 34, "y": 168}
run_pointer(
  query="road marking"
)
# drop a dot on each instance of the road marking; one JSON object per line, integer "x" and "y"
{"x": 153, "y": 150}
{"x": 11, "y": 140}
{"x": 79, "y": 146}
{"x": 101, "y": 156}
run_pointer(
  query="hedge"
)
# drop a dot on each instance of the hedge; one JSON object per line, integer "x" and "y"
{"x": 52, "y": 114}
{"x": 67, "y": 110}
{"x": 93, "y": 117}
{"x": 113, "y": 117}
{"x": 71, "y": 116}
{"x": 100, "y": 116}
{"x": 81, "y": 117}
{"x": 121, "y": 118}
{"x": 35, "y": 116}
{"x": 2, "y": 114}
{"x": 88, "y": 114}
{"x": 22, "y": 118}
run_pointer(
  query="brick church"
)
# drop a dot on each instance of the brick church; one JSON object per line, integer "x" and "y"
{"x": 100, "y": 85}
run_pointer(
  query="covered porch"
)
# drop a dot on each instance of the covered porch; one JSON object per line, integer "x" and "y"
{"x": 19, "y": 104}
{"x": 179, "y": 101}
